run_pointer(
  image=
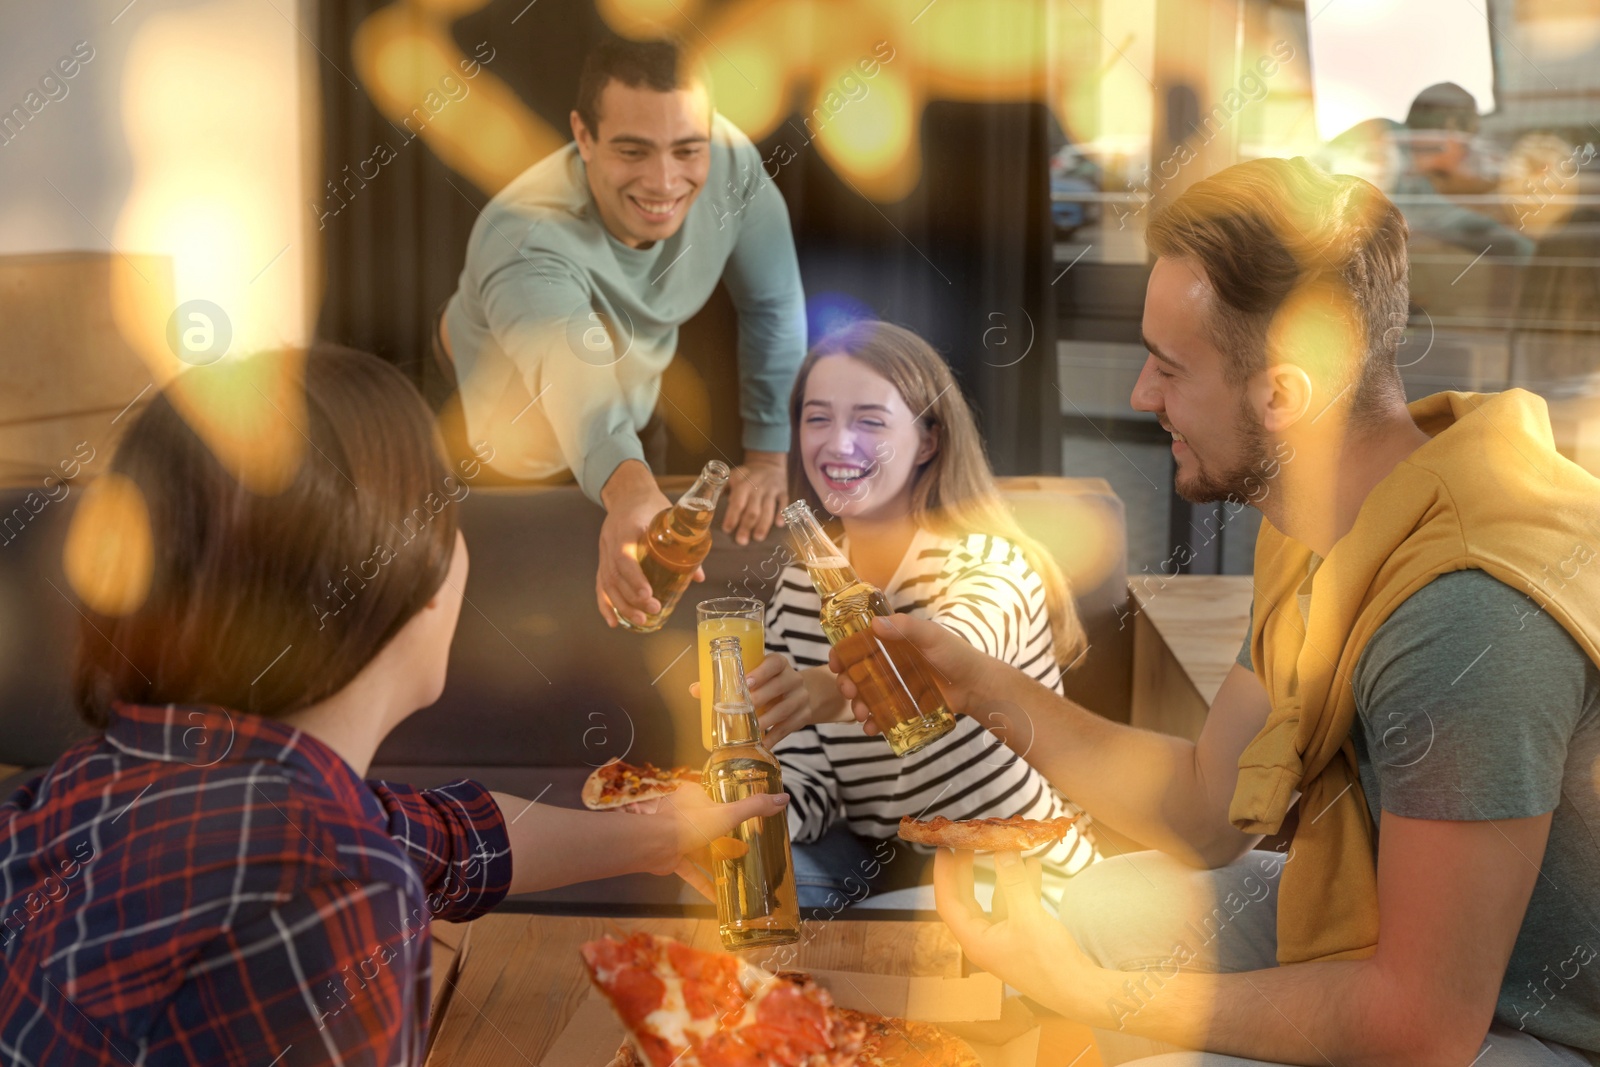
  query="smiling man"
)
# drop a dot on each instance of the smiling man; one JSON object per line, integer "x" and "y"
{"x": 1419, "y": 685}
{"x": 577, "y": 277}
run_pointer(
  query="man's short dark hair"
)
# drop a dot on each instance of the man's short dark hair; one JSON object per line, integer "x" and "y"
{"x": 661, "y": 64}
{"x": 1445, "y": 106}
{"x": 1271, "y": 229}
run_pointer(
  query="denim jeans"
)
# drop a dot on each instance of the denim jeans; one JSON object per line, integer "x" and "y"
{"x": 841, "y": 868}
{"x": 1132, "y": 913}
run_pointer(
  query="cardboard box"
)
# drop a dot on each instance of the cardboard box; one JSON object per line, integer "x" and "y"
{"x": 1000, "y": 1030}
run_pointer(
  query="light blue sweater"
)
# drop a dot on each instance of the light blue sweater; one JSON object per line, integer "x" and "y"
{"x": 561, "y": 333}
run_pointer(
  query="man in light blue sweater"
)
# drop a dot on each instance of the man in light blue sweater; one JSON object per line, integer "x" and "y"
{"x": 577, "y": 277}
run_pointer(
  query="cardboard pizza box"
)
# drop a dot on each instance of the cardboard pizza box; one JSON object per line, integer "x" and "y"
{"x": 1000, "y": 1029}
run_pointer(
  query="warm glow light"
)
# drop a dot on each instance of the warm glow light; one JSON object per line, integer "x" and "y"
{"x": 769, "y": 59}
{"x": 109, "y": 552}
{"x": 872, "y": 141}
{"x": 747, "y": 102}
{"x": 216, "y": 193}
{"x": 982, "y": 49}
{"x": 430, "y": 89}
{"x": 642, "y": 18}
{"x": 211, "y": 188}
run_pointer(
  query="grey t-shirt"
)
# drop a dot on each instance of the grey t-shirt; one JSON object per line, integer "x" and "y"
{"x": 1473, "y": 704}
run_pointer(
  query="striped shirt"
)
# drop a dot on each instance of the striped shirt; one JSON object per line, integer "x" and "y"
{"x": 983, "y": 589}
{"x": 203, "y": 886}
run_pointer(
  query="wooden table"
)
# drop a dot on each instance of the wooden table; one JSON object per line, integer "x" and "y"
{"x": 522, "y": 979}
{"x": 1187, "y": 632}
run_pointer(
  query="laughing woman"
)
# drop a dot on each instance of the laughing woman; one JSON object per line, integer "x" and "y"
{"x": 883, "y": 440}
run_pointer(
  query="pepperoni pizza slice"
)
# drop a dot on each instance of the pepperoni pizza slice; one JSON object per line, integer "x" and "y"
{"x": 686, "y": 1007}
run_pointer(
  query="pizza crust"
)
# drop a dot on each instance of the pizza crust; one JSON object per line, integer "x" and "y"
{"x": 627, "y": 1056}
{"x": 887, "y": 1042}
{"x": 1014, "y": 834}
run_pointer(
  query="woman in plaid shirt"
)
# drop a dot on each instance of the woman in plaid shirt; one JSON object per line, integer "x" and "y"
{"x": 209, "y": 879}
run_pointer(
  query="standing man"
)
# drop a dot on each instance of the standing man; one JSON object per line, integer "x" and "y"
{"x": 577, "y": 277}
{"x": 1421, "y": 682}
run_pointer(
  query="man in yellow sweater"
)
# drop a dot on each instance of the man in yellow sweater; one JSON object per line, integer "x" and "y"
{"x": 1419, "y": 686}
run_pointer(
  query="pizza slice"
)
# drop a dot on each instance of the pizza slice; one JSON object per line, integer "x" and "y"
{"x": 894, "y": 1042}
{"x": 1014, "y": 834}
{"x": 617, "y": 784}
{"x": 690, "y": 1008}
{"x": 887, "y": 1042}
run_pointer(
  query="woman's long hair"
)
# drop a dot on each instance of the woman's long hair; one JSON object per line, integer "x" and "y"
{"x": 954, "y": 492}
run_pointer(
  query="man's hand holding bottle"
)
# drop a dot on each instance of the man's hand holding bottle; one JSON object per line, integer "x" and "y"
{"x": 632, "y": 499}
{"x": 962, "y": 673}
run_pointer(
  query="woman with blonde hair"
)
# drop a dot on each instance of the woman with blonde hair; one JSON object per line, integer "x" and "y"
{"x": 883, "y": 441}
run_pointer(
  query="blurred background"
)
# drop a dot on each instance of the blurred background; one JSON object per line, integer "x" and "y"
{"x": 285, "y": 169}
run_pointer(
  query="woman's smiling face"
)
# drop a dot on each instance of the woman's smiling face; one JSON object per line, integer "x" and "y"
{"x": 859, "y": 443}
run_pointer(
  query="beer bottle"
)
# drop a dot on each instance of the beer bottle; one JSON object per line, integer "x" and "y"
{"x": 752, "y": 867}
{"x": 677, "y": 540}
{"x": 894, "y": 680}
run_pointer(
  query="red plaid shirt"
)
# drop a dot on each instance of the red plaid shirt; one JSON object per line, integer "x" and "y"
{"x": 200, "y": 886}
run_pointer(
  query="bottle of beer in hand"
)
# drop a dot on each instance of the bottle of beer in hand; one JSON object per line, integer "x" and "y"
{"x": 677, "y": 540}
{"x": 752, "y": 866}
{"x": 892, "y": 678}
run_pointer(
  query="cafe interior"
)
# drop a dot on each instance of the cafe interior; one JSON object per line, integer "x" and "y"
{"x": 205, "y": 197}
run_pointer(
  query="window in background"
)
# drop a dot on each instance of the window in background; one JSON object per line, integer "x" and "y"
{"x": 1482, "y": 124}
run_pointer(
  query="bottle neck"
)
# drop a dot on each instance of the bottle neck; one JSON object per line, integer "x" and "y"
{"x": 829, "y": 570}
{"x": 734, "y": 725}
{"x": 734, "y": 721}
{"x": 706, "y": 490}
{"x": 689, "y": 521}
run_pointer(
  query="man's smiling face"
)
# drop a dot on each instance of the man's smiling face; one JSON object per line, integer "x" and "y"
{"x": 1217, "y": 438}
{"x": 648, "y": 158}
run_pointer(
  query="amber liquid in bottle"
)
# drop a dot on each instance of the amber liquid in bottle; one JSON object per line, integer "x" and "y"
{"x": 752, "y": 866}
{"x": 894, "y": 679}
{"x": 677, "y": 540}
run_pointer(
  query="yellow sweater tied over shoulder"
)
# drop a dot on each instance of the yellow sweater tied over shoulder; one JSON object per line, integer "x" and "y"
{"x": 1490, "y": 492}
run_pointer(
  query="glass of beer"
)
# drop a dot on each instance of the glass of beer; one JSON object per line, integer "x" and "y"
{"x": 728, "y": 616}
